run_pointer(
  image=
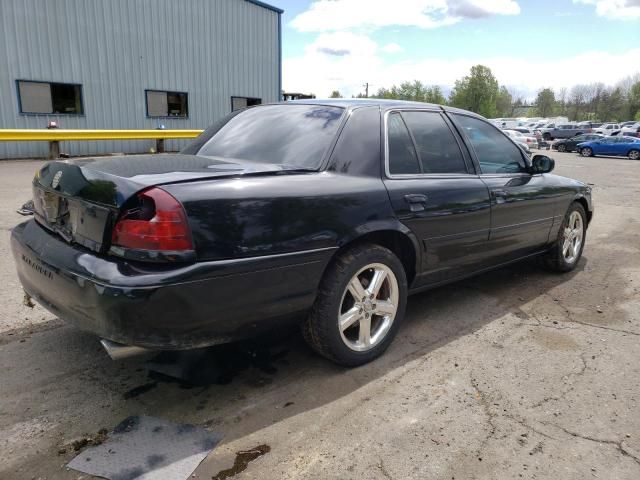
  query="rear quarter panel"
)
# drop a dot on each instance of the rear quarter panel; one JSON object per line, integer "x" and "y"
{"x": 252, "y": 216}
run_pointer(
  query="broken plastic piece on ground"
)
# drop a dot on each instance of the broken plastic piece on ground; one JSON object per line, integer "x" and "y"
{"x": 147, "y": 448}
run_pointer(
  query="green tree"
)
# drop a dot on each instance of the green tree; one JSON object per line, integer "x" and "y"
{"x": 415, "y": 91}
{"x": 634, "y": 100}
{"x": 476, "y": 92}
{"x": 434, "y": 95}
{"x": 545, "y": 102}
{"x": 504, "y": 103}
{"x": 335, "y": 94}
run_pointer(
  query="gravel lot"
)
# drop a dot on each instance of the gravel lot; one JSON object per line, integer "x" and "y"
{"x": 517, "y": 373}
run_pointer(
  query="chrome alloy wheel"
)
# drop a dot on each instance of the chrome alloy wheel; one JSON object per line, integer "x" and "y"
{"x": 573, "y": 236}
{"x": 368, "y": 307}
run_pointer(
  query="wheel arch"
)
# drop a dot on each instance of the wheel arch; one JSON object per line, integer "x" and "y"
{"x": 581, "y": 199}
{"x": 392, "y": 235}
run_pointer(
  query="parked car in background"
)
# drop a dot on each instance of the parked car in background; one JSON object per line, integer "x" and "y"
{"x": 521, "y": 140}
{"x": 569, "y": 145}
{"x": 322, "y": 213}
{"x": 607, "y": 128}
{"x": 566, "y": 130}
{"x": 588, "y": 126}
{"x": 528, "y": 135}
{"x": 508, "y": 122}
{"x": 615, "y": 146}
{"x": 524, "y": 130}
{"x": 631, "y": 130}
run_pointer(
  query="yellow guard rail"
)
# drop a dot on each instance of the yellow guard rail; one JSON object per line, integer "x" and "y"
{"x": 55, "y": 135}
{"x": 59, "y": 134}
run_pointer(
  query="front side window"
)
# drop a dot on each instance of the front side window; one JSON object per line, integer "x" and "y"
{"x": 50, "y": 98}
{"x": 167, "y": 104}
{"x": 297, "y": 135}
{"x": 495, "y": 153}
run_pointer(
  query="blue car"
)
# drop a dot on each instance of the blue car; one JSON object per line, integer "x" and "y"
{"x": 619, "y": 146}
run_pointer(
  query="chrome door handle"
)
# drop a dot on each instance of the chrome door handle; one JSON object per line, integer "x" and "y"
{"x": 416, "y": 201}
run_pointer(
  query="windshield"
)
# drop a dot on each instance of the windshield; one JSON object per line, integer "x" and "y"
{"x": 293, "y": 135}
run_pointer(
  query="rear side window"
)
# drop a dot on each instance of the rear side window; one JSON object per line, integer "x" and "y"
{"x": 495, "y": 152}
{"x": 294, "y": 135}
{"x": 438, "y": 149}
{"x": 403, "y": 159}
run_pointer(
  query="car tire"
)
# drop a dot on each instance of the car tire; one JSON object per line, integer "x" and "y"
{"x": 336, "y": 306}
{"x": 586, "y": 152}
{"x": 566, "y": 251}
{"x": 634, "y": 155}
{"x": 562, "y": 147}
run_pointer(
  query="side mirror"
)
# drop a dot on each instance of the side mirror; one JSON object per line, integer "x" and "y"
{"x": 542, "y": 164}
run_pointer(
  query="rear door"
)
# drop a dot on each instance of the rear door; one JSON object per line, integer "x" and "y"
{"x": 522, "y": 204}
{"x": 621, "y": 146}
{"x": 435, "y": 191}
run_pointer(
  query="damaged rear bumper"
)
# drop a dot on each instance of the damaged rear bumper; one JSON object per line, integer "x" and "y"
{"x": 165, "y": 307}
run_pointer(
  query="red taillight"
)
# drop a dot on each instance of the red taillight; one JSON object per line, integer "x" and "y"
{"x": 157, "y": 222}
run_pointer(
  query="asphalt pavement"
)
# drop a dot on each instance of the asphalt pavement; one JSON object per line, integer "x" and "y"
{"x": 517, "y": 373}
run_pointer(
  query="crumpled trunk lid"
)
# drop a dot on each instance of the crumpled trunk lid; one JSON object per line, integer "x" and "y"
{"x": 80, "y": 199}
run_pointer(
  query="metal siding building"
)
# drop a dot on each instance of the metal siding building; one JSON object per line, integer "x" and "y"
{"x": 118, "y": 49}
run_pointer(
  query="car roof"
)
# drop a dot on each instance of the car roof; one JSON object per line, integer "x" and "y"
{"x": 384, "y": 104}
{"x": 349, "y": 102}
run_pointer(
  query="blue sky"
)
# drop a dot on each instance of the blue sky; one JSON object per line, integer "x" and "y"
{"x": 529, "y": 44}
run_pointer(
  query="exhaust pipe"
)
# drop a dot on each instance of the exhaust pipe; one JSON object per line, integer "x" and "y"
{"x": 119, "y": 351}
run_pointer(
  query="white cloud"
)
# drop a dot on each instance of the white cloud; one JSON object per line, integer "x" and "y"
{"x": 618, "y": 9}
{"x": 342, "y": 44}
{"x": 392, "y": 48}
{"x": 320, "y": 73}
{"x": 328, "y": 15}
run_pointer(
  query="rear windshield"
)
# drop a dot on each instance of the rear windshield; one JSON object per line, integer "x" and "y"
{"x": 293, "y": 135}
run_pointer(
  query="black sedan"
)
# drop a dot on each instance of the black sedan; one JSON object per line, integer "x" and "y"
{"x": 569, "y": 145}
{"x": 326, "y": 213}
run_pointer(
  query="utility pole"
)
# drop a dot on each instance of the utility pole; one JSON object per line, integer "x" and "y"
{"x": 366, "y": 90}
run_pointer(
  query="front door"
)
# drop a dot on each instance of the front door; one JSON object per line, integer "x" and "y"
{"x": 606, "y": 146}
{"x": 436, "y": 193}
{"x": 522, "y": 204}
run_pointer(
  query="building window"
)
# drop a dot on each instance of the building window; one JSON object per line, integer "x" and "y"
{"x": 50, "y": 98}
{"x": 241, "y": 102}
{"x": 167, "y": 104}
